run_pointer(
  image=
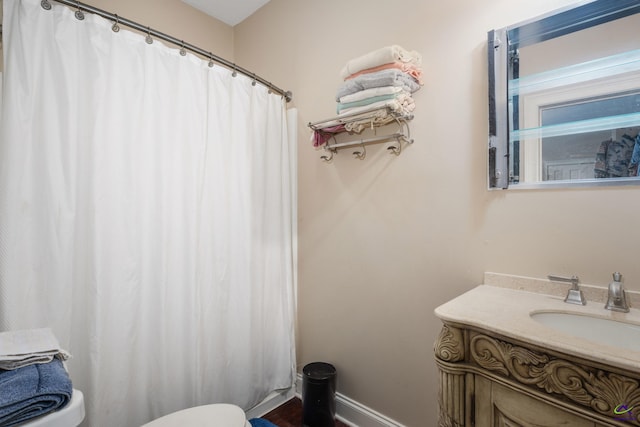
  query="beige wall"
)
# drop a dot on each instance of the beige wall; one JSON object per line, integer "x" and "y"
{"x": 385, "y": 240}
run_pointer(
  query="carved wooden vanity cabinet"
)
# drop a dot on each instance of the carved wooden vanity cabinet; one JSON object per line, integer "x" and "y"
{"x": 487, "y": 379}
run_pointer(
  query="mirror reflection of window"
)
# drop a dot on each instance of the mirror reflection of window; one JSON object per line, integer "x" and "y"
{"x": 572, "y": 96}
{"x": 571, "y": 157}
{"x": 569, "y": 99}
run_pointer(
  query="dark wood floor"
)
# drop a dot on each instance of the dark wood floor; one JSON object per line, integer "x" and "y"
{"x": 289, "y": 414}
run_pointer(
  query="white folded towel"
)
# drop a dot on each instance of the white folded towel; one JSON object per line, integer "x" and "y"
{"x": 380, "y": 56}
{"x": 28, "y": 347}
{"x": 402, "y": 104}
{"x": 370, "y": 93}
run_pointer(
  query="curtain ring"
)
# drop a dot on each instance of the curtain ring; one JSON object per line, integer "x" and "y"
{"x": 45, "y": 5}
{"x": 79, "y": 14}
{"x": 148, "y": 39}
{"x": 253, "y": 82}
{"x": 183, "y": 51}
{"x": 235, "y": 73}
{"x": 116, "y": 27}
{"x": 210, "y": 60}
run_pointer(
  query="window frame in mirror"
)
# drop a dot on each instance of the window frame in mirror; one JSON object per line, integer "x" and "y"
{"x": 502, "y": 52}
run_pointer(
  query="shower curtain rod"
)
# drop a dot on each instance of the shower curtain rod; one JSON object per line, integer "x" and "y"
{"x": 83, "y": 7}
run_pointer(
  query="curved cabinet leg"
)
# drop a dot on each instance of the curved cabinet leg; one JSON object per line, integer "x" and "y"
{"x": 451, "y": 399}
{"x": 449, "y": 349}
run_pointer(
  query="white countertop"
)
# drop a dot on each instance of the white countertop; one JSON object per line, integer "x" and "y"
{"x": 507, "y": 312}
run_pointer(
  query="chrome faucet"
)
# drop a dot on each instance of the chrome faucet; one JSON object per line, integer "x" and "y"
{"x": 574, "y": 295}
{"x": 617, "y": 300}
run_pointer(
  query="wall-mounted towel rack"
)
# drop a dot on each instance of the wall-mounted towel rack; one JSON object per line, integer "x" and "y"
{"x": 357, "y": 122}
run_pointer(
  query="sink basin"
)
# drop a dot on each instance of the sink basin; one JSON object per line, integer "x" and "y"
{"x": 595, "y": 329}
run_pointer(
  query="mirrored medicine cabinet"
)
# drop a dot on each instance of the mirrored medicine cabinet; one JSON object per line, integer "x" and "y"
{"x": 564, "y": 98}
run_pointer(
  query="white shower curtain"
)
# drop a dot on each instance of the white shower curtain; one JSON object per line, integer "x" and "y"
{"x": 146, "y": 212}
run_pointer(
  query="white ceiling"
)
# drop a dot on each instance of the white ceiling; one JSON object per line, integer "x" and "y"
{"x": 230, "y": 12}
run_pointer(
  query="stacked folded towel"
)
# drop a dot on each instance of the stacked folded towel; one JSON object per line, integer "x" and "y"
{"x": 33, "y": 380}
{"x": 27, "y": 347}
{"x": 385, "y": 77}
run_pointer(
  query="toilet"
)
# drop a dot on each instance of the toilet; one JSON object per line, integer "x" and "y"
{"x": 214, "y": 415}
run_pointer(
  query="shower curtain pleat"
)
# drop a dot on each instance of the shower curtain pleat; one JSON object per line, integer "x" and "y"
{"x": 146, "y": 216}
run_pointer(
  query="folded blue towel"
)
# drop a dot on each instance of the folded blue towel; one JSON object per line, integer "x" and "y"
{"x": 261, "y": 422}
{"x": 32, "y": 391}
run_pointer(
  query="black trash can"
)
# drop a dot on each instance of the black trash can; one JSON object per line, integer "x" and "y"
{"x": 318, "y": 395}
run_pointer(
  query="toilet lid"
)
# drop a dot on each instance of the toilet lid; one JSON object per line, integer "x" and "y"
{"x": 218, "y": 415}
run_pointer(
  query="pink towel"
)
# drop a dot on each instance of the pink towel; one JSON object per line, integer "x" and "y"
{"x": 321, "y": 136}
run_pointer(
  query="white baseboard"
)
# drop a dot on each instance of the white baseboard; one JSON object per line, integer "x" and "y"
{"x": 353, "y": 413}
{"x": 271, "y": 402}
{"x": 348, "y": 410}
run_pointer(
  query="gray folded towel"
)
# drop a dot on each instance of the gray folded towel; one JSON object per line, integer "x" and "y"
{"x": 28, "y": 347}
{"x": 391, "y": 77}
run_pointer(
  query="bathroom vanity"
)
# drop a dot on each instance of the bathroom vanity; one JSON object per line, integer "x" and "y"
{"x": 515, "y": 354}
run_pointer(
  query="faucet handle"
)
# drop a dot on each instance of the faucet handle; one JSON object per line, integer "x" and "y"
{"x": 575, "y": 295}
{"x": 574, "y": 280}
